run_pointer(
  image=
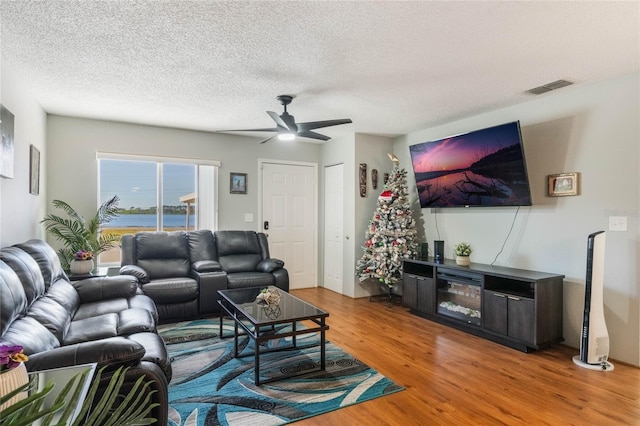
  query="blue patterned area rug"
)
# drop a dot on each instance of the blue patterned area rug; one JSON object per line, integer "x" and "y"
{"x": 211, "y": 387}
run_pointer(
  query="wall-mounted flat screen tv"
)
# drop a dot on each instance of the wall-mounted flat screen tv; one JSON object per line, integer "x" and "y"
{"x": 481, "y": 168}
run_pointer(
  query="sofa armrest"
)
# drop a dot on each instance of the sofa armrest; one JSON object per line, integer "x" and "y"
{"x": 103, "y": 288}
{"x": 113, "y": 351}
{"x": 269, "y": 265}
{"x": 206, "y": 266}
{"x": 209, "y": 283}
{"x": 158, "y": 388}
{"x": 136, "y": 271}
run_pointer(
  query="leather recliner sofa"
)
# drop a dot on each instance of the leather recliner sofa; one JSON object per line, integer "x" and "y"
{"x": 173, "y": 272}
{"x": 183, "y": 271}
{"x": 59, "y": 323}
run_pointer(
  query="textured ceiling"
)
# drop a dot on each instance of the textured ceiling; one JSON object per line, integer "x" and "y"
{"x": 392, "y": 67}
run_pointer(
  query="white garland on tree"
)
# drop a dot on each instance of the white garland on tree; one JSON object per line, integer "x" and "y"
{"x": 391, "y": 233}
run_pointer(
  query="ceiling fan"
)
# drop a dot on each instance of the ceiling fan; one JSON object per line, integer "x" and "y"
{"x": 288, "y": 129}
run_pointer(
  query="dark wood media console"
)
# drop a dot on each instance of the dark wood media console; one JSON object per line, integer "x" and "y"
{"x": 515, "y": 307}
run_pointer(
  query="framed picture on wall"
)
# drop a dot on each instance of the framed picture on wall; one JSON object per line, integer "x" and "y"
{"x": 563, "y": 184}
{"x": 6, "y": 146}
{"x": 34, "y": 170}
{"x": 238, "y": 183}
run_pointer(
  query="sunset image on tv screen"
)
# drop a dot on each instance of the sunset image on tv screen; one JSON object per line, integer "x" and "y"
{"x": 481, "y": 168}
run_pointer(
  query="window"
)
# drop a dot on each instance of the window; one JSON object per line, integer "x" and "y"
{"x": 157, "y": 194}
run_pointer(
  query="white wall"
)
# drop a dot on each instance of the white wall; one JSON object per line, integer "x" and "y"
{"x": 73, "y": 143}
{"x": 20, "y": 211}
{"x": 593, "y": 130}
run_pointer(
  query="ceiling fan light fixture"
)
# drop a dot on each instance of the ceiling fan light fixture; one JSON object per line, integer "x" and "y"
{"x": 286, "y": 136}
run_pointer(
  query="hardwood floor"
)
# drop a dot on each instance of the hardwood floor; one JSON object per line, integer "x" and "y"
{"x": 454, "y": 378}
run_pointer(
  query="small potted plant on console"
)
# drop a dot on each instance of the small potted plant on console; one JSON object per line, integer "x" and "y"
{"x": 462, "y": 252}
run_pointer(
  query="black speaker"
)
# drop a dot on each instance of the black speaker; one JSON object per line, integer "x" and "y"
{"x": 424, "y": 250}
{"x": 438, "y": 251}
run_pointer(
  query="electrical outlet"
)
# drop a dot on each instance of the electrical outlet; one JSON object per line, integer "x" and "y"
{"x": 617, "y": 223}
{"x": 248, "y": 217}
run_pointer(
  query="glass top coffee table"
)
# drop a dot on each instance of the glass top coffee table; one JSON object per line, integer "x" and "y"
{"x": 258, "y": 320}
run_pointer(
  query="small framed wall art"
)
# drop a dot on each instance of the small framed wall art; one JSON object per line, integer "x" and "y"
{"x": 238, "y": 183}
{"x": 6, "y": 147}
{"x": 562, "y": 184}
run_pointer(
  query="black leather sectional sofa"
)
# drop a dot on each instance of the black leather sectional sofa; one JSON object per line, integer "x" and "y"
{"x": 112, "y": 320}
{"x": 182, "y": 271}
{"x": 60, "y": 323}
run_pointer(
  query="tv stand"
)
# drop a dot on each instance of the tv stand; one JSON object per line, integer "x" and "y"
{"x": 515, "y": 307}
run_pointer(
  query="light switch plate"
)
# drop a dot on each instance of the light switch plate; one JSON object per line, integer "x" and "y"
{"x": 617, "y": 223}
{"x": 248, "y": 217}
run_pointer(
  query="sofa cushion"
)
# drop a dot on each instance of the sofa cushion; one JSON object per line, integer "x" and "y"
{"x": 132, "y": 321}
{"x": 250, "y": 279}
{"x": 238, "y": 251}
{"x": 142, "y": 301}
{"x": 163, "y": 254}
{"x": 239, "y": 262}
{"x": 31, "y": 335}
{"x": 27, "y": 270}
{"x": 65, "y": 295}
{"x": 92, "y": 328}
{"x": 13, "y": 300}
{"x": 201, "y": 246}
{"x": 46, "y": 258}
{"x": 93, "y": 309}
{"x": 172, "y": 290}
{"x": 237, "y": 242}
{"x": 51, "y": 315}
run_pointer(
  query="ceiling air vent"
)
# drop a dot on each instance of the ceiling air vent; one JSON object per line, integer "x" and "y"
{"x": 549, "y": 87}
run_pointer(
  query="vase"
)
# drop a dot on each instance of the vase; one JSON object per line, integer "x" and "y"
{"x": 463, "y": 260}
{"x": 11, "y": 380}
{"x": 81, "y": 267}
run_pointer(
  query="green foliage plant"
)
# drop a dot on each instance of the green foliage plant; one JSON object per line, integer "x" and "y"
{"x": 133, "y": 410}
{"x": 78, "y": 234}
{"x": 462, "y": 249}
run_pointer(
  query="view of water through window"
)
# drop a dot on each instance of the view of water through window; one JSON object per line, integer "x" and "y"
{"x": 137, "y": 184}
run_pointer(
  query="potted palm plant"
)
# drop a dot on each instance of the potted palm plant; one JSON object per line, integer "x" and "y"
{"x": 79, "y": 235}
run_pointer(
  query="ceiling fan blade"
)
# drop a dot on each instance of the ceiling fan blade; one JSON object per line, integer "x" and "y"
{"x": 290, "y": 121}
{"x": 310, "y": 125}
{"x": 268, "y": 139}
{"x": 313, "y": 135}
{"x": 278, "y": 120}
{"x": 270, "y": 129}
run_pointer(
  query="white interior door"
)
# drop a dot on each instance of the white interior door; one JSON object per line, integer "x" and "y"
{"x": 334, "y": 230}
{"x": 289, "y": 193}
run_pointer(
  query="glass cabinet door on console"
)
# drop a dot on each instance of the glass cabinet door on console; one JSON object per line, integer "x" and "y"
{"x": 459, "y": 296}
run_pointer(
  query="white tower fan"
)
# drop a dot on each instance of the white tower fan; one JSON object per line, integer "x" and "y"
{"x": 594, "y": 339}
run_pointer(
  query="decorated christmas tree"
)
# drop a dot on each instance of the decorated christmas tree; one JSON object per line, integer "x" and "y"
{"x": 391, "y": 233}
